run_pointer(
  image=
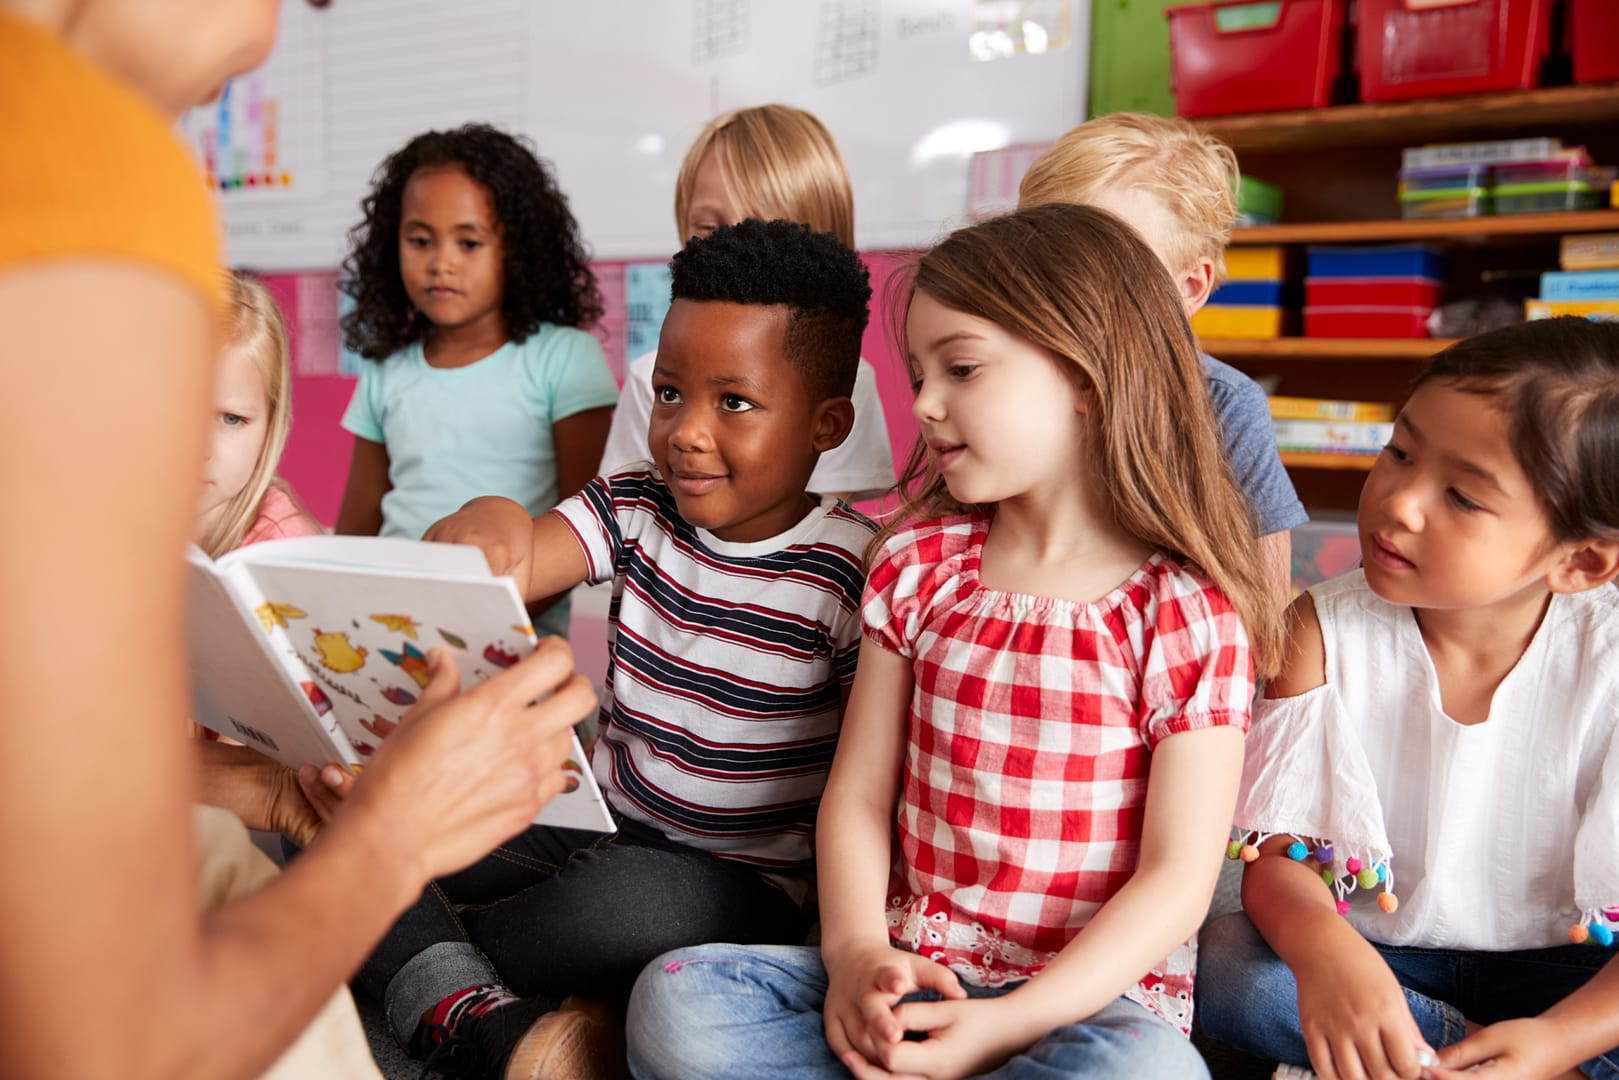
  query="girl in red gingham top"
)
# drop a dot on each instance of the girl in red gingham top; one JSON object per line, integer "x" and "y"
{"x": 1039, "y": 761}
{"x": 1061, "y": 644}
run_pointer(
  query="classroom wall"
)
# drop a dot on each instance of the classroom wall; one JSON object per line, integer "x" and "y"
{"x": 1130, "y": 57}
{"x": 1128, "y": 70}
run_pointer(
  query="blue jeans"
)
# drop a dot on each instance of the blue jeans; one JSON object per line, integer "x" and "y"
{"x": 1246, "y": 996}
{"x": 555, "y": 912}
{"x": 722, "y": 1011}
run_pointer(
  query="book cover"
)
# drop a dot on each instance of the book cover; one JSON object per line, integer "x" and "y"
{"x": 1580, "y": 285}
{"x": 1332, "y": 436}
{"x": 1588, "y": 309}
{"x": 1297, "y": 408}
{"x": 311, "y": 650}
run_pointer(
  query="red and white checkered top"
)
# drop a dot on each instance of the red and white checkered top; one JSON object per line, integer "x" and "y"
{"x": 1030, "y": 735}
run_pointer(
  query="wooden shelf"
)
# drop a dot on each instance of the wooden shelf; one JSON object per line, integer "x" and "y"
{"x": 1298, "y": 459}
{"x": 1298, "y": 348}
{"x": 1409, "y": 123}
{"x": 1355, "y": 232}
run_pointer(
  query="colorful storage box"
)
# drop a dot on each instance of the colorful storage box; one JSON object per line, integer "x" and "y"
{"x": 1256, "y": 263}
{"x": 1380, "y": 261}
{"x": 1549, "y": 198}
{"x": 1372, "y": 292}
{"x": 1366, "y": 322}
{"x": 1246, "y": 56}
{"x": 1258, "y": 203}
{"x": 1593, "y": 36}
{"x": 1247, "y": 323}
{"x": 1446, "y": 177}
{"x": 1431, "y": 48}
{"x": 1245, "y": 293}
{"x": 1434, "y": 203}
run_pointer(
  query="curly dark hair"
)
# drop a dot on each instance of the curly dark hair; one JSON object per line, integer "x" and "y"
{"x": 823, "y": 284}
{"x": 547, "y": 269}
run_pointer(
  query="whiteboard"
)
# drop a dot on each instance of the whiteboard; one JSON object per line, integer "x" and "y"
{"x": 613, "y": 91}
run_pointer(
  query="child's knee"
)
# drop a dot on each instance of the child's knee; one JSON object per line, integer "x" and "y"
{"x": 678, "y": 1001}
{"x": 1238, "y": 979}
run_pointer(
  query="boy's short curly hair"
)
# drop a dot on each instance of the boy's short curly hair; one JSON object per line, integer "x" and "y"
{"x": 823, "y": 284}
{"x": 547, "y": 269}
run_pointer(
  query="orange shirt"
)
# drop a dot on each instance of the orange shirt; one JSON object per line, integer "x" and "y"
{"x": 89, "y": 169}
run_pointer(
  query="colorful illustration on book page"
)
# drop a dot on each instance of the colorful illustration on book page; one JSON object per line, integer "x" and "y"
{"x": 274, "y": 615}
{"x": 411, "y": 660}
{"x": 365, "y": 637}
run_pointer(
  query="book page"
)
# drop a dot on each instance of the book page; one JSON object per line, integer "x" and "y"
{"x": 364, "y": 635}
{"x": 370, "y": 553}
{"x": 248, "y": 687}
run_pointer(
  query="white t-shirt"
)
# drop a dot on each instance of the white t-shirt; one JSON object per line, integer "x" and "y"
{"x": 863, "y": 467}
{"x": 1498, "y": 835}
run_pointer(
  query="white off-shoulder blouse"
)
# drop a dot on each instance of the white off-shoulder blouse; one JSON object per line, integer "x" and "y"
{"x": 1495, "y": 836}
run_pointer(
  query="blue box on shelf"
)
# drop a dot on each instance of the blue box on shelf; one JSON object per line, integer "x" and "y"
{"x": 1248, "y": 294}
{"x": 1383, "y": 260}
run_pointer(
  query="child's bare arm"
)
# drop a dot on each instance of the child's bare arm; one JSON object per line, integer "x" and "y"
{"x": 361, "y": 512}
{"x": 866, "y": 974}
{"x": 1576, "y": 1029}
{"x": 540, "y": 554}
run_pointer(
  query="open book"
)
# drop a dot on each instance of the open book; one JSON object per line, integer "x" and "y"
{"x": 310, "y": 650}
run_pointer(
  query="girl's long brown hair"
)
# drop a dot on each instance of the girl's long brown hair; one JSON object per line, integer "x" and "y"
{"x": 1082, "y": 285}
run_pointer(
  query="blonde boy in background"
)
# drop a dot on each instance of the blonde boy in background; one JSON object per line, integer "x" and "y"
{"x": 768, "y": 162}
{"x": 1177, "y": 187}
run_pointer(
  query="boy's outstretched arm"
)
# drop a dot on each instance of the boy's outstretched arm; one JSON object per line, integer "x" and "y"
{"x": 866, "y": 975}
{"x": 540, "y": 554}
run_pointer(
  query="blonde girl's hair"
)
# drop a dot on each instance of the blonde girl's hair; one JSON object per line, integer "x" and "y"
{"x": 1082, "y": 285}
{"x": 253, "y": 322}
{"x": 1193, "y": 174}
{"x": 780, "y": 163}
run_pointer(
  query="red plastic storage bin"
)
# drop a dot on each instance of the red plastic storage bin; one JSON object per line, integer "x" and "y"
{"x": 1430, "y": 48}
{"x": 1593, "y": 38}
{"x": 1372, "y": 292}
{"x": 1246, "y": 56}
{"x": 1366, "y": 322}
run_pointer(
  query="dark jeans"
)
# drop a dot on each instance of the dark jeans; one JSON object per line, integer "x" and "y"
{"x": 1246, "y": 996}
{"x": 555, "y": 912}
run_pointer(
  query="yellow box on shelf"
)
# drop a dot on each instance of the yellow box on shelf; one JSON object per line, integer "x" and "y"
{"x": 1296, "y": 408}
{"x": 1255, "y": 263}
{"x": 1591, "y": 251}
{"x": 1245, "y": 323}
{"x": 1589, "y": 309}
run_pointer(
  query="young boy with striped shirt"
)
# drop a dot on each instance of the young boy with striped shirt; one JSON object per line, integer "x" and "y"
{"x": 734, "y": 630}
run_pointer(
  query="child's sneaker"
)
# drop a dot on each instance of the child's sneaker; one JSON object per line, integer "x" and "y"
{"x": 1292, "y": 1072}
{"x": 529, "y": 1040}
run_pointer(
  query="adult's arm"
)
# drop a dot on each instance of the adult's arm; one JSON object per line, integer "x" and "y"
{"x": 104, "y": 434}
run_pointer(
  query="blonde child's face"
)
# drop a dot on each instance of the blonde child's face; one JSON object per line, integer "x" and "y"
{"x": 1148, "y": 215}
{"x": 1448, "y": 519}
{"x": 999, "y": 417}
{"x": 237, "y": 429}
{"x": 712, "y": 204}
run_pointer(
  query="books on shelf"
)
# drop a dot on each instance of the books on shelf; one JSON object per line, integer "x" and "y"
{"x": 312, "y": 650}
{"x": 1480, "y": 153}
{"x": 1590, "y": 251}
{"x": 1332, "y": 436}
{"x": 1603, "y": 310}
{"x": 1298, "y": 408}
{"x": 1580, "y": 285}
